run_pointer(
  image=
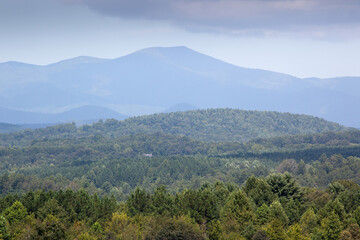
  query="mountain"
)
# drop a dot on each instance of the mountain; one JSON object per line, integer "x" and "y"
{"x": 158, "y": 78}
{"x": 181, "y": 107}
{"x": 211, "y": 125}
{"x": 82, "y": 114}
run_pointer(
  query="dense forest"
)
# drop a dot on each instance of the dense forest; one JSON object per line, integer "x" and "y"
{"x": 272, "y": 208}
{"x": 183, "y": 176}
{"x": 117, "y": 166}
{"x": 211, "y": 125}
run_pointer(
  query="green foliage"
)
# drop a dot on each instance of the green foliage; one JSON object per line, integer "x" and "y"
{"x": 357, "y": 215}
{"x": 295, "y": 233}
{"x": 275, "y": 230}
{"x": 285, "y": 187}
{"x": 139, "y": 202}
{"x": 259, "y": 191}
{"x": 239, "y": 208}
{"x": 175, "y": 187}
{"x": 277, "y": 212}
{"x": 308, "y": 221}
{"x": 214, "y": 230}
{"x": 52, "y": 229}
{"x": 331, "y": 227}
{"x": 16, "y": 213}
{"x": 207, "y": 125}
{"x": 262, "y": 214}
{"x": 4, "y": 229}
{"x": 175, "y": 228}
{"x": 203, "y": 213}
{"x": 162, "y": 201}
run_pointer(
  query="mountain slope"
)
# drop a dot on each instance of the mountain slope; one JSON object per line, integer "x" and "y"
{"x": 163, "y": 77}
{"x": 181, "y": 107}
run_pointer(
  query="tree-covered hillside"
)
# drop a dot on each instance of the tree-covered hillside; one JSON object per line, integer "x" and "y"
{"x": 115, "y": 166}
{"x": 219, "y": 124}
{"x": 109, "y": 180}
{"x": 7, "y": 128}
{"x": 211, "y": 125}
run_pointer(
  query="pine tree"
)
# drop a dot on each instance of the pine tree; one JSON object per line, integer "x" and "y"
{"x": 262, "y": 214}
{"x": 331, "y": 227}
{"x": 278, "y": 212}
{"x": 238, "y": 207}
{"x": 16, "y": 213}
{"x": 4, "y": 231}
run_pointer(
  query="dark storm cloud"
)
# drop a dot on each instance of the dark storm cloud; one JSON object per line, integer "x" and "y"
{"x": 235, "y": 15}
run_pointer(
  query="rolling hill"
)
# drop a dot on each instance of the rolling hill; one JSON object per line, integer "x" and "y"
{"x": 211, "y": 125}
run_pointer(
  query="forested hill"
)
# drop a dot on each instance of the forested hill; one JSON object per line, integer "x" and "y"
{"x": 6, "y": 127}
{"x": 222, "y": 124}
{"x": 212, "y": 125}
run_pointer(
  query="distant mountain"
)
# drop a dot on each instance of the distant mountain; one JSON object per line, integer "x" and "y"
{"x": 163, "y": 77}
{"x": 85, "y": 114}
{"x": 181, "y": 107}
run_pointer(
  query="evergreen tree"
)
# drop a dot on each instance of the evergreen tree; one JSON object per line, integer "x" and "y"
{"x": 275, "y": 230}
{"x": 139, "y": 202}
{"x": 308, "y": 221}
{"x": 331, "y": 226}
{"x": 52, "y": 229}
{"x": 295, "y": 233}
{"x": 238, "y": 207}
{"x": 262, "y": 214}
{"x": 4, "y": 231}
{"x": 16, "y": 213}
{"x": 278, "y": 212}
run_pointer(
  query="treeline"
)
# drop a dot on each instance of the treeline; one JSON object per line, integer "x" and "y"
{"x": 275, "y": 207}
{"x": 211, "y": 125}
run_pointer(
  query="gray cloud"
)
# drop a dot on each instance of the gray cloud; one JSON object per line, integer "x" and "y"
{"x": 236, "y": 16}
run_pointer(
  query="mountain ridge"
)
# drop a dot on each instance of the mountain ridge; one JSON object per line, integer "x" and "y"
{"x": 83, "y": 113}
{"x": 156, "y": 78}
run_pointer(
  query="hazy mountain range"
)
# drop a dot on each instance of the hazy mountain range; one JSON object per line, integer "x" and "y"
{"x": 85, "y": 114}
{"x": 155, "y": 79}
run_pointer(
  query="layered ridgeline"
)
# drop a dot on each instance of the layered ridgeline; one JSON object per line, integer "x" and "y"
{"x": 80, "y": 115}
{"x": 154, "y": 79}
{"x": 211, "y": 125}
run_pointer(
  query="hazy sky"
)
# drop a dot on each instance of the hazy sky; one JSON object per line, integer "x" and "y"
{"x": 304, "y": 38}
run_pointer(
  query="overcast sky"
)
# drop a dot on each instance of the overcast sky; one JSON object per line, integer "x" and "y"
{"x": 305, "y": 38}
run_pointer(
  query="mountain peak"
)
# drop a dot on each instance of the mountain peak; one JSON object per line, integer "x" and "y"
{"x": 169, "y": 51}
{"x": 78, "y": 60}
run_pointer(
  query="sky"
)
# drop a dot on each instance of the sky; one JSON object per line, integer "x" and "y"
{"x": 304, "y": 38}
